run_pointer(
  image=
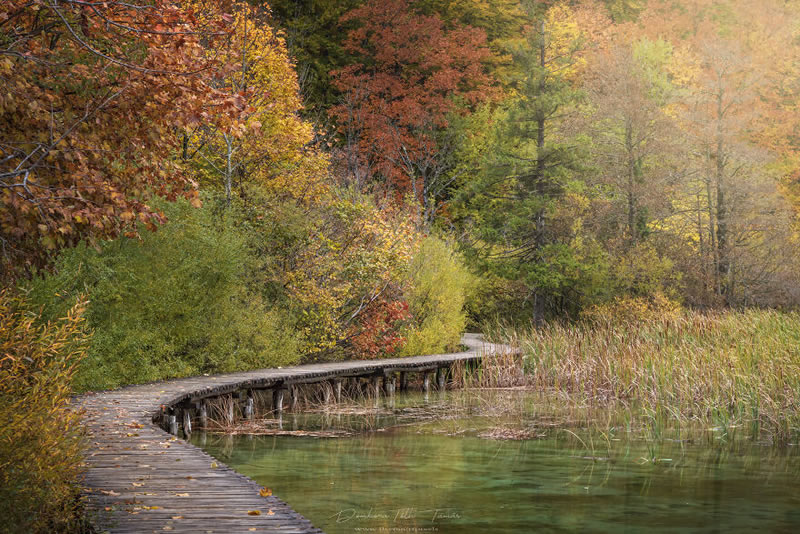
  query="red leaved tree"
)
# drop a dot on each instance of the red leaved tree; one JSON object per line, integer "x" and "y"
{"x": 411, "y": 72}
{"x": 93, "y": 96}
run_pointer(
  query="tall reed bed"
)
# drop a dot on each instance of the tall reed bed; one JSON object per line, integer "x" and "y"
{"x": 721, "y": 369}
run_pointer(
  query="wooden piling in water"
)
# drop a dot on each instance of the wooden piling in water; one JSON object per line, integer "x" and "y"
{"x": 187, "y": 422}
{"x": 426, "y": 382}
{"x": 173, "y": 424}
{"x": 441, "y": 375}
{"x": 376, "y": 386}
{"x": 277, "y": 400}
{"x": 337, "y": 390}
{"x": 203, "y": 414}
{"x": 389, "y": 385}
{"x": 229, "y": 411}
{"x": 249, "y": 407}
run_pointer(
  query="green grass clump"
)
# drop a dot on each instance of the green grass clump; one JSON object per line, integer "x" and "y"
{"x": 725, "y": 369}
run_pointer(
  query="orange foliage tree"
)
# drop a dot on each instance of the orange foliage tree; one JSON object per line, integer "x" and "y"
{"x": 412, "y": 71}
{"x": 93, "y": 93}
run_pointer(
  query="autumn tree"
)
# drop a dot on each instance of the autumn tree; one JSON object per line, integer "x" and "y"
{"x": 267, "y": 144}
{"x": 92, "y": 95}
{"x": 634, "y": 143}
{"x": 412, "y": 71}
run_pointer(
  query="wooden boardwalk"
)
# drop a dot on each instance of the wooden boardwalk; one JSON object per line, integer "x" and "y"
{"x": 140, "y": 478}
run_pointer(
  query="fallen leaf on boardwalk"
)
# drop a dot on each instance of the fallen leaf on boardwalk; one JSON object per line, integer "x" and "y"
{"x": 265, "y": 492}
{"x": 181, "y": 494}
{"x": 254, "y": 512}
{"x": 138, "y": 484}
{"x": 167, "y": 528}
{"x": 270, "y": 513}
{"x": 177, "y": 517}
{"x": 214, "y": 465}
{"x": 252, "y": 529}
{"x": 109, "y": 492}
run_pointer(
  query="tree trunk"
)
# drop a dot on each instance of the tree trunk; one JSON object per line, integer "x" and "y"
{"x": 631, "y": 193}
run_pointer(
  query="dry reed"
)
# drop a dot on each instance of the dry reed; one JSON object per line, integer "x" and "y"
{"x": 723, "y": 369}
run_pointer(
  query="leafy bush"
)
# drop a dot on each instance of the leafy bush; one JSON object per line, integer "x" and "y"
{"x": 627, "y": 309}
{"x": 338, "y": 267}
{"x": 436, "y": 296}
{"x": 40, "y": 438}
{"x": 174, "y": 303}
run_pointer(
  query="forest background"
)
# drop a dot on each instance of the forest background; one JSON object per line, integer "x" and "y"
{"x": 211, "y": 186}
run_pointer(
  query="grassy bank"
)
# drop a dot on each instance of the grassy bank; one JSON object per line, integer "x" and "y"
{"x": 729, "y": 370}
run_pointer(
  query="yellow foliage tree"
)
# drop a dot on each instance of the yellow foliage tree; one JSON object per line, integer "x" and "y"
{"x": 268, "y": 145}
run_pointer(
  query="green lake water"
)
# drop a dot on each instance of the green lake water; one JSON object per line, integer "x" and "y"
{"x": 404, "y": 471}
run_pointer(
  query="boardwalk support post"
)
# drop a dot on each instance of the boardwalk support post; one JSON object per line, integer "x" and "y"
{"x": 203, "y": 413}
{"x": 249, "y": 407}
{"x": 403, "y": 381}
{"x": 389, "y": 385}
{"x": 229, "y": 410}
{"x": 173, "y": 424}
{"x": 426, "y": 382}
{"x": 277, "y": 400}
{"x": 441, "y": 374}
{"x": 187, "y": 422}
{"x": 327, "y": 393}
{"x": 337, "y": 390}
{"x": 376, "y": 387}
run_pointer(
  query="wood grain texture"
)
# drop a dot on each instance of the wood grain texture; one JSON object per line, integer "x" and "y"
{"x": 139, "y": 478}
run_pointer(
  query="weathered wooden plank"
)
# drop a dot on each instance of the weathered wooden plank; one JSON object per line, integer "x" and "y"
{"x": 139, "y": 478}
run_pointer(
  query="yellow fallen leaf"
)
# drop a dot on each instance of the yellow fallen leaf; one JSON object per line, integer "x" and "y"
{"x": 254, "y": 512}
{"x": 214, "y": 465}
{"x": 177, "y": 517}
{"x": 265, "y": 492}
{"x": 138, "y": 484}
{"x": 181, "y": 494}
{"x": 270, "y": 513}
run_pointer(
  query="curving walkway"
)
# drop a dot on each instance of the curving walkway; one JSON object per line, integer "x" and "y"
{"x": 140, "y": 478}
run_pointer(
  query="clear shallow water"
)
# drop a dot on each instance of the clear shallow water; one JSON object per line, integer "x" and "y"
{"x": 418, "y": 477}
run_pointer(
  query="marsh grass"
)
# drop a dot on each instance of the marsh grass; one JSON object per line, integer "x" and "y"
{"x": 734, "y": 373}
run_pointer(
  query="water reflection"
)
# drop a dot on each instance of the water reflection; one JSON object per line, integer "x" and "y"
{"x": 401, "y": 472}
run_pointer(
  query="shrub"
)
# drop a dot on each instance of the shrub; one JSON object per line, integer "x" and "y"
{"x": 436, "y": 297}
{"x": 628, "y": 309}
{"x": 40, "y": 438}
{"x": 174, "y": 303}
